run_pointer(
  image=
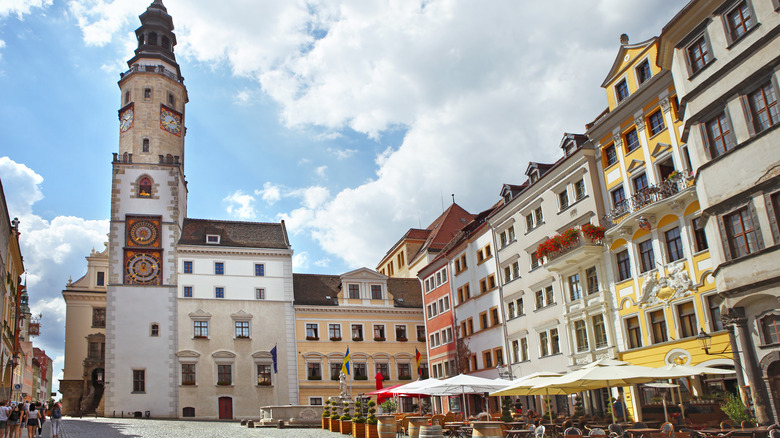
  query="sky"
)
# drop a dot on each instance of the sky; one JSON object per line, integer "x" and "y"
{"x": 351, "y": 120}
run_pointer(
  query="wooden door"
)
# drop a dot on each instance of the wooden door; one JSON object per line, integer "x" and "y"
{"x": 225, "y": 408}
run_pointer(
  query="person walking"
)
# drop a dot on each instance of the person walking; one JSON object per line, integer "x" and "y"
{"x": 14, "y": 417}
{"x": 56, "y": 419}
{"x": 41, "y": 408}
{"x": 33, "y": 421}
{"x": 3, "y": 418}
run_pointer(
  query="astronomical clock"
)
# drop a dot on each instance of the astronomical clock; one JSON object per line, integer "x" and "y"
{"x": 143, "y": 255}
{"x": 170, "y": 120}
{"x": 126, "y": 118}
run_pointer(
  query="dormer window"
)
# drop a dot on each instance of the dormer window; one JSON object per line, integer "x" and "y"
{"x": 145, "y": 187}
{"x": 569, "y": 149}
{"x": 534, "y": 176}
{"x": 621, "y": 90}
{"x": 212, "y": 239}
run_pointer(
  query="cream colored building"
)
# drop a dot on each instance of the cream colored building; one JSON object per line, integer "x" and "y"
{"x": 11, "y": 269}
{"x": 378, "y": 318}
{"x": 83, "y": 380}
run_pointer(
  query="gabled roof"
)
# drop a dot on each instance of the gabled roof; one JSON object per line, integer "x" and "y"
{"x": 576, "y": 139}
{"x": 621, "y": 55}
{"x": 313, "y": 290}
{"x": 235, "y": 234}
{"x": 443, "y": 229}
{"x": 542, "y": 167}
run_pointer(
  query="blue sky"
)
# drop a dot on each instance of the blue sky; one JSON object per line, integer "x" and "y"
{"x": 351, "y": 120}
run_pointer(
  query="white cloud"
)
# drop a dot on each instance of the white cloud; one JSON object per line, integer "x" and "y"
{"x": 270, "y": 193}
{"x": 300, "y": 261}
{"x": 320, "y": 171}
{"x": 52, "y": 309}
{"x": 2, "y": 44}
{"x": 240, "y": 205}
{"x": 311, "y": 197}
{"x": 20, "y": 7}
{"x": 242, "y": 97}
{"x": 322, "y": 263}
{"x": 99, "y": 20}
{"x": 342, "y": 154}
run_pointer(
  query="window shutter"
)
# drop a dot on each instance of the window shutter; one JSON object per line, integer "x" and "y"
{"x": 724, "y": 238}
{"x": 745, "y": 101}
{"x": 756, "y": 224}
{"x": 772, "y": 208}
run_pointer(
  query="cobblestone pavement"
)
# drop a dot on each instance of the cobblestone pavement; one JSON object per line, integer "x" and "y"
{"x": 127, "y": 427}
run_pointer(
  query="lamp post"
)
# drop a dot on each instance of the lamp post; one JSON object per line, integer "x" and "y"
{"x": 705, "y": 341}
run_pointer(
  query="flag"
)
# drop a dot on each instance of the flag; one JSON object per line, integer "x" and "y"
{"x": 345, "y": 365}
{"x": 418, "y": 359}
{"x": 273, "y": 356}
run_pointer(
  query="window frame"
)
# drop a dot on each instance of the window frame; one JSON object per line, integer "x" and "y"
{"x": 678, "y": 243}
{"x": 731, "y": 34}
{"x": 581, "y": 336}
{"x": 701, "y": 41}
{"x": 139, "y": 381}
{"x": 622, "y": 91}
{"x": 187, "y": 267}
{"x": 623, "y": 265}
{"x": 725, "y": 140}
{"x": 646, "y": 254}
{"x": 259, "y": 269}
{"x": 640, "y": 71}
{"x": 631, "y": 146}
{"x": 731, "y": 239}
{"x": 754, "y": 112}
{"x": 654, "y": 127}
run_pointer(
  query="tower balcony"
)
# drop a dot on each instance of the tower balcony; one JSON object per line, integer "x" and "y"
{"x": 158, "y": 69}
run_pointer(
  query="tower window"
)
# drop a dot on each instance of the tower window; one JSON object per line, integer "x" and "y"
{"x": 171, "y": 99}
{"x": 147, "y": 93}
{"x": 155, "y": 330}
{"x": 127, "y": 97}
{"x": 166, "y": 43}
{"x": 145, "y": 187}
{"x": 146, "y": 145}
{"x": 141, "y": 39}
{"x": 153, "y": 39}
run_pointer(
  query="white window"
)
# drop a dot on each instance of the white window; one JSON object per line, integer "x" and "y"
{"x": 260, "y": 293}
{"x": 212, "y": 239}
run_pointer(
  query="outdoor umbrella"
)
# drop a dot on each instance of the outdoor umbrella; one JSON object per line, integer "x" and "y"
{"x": 677, "y": 371}
{"x": 463, "y": 384}
{"x": 413, "y": 390}
{"x": 664, "y": 386}
{"x": 538, "y": 383}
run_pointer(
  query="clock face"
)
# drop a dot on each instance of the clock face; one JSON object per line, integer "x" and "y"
{"x": 170, "y": 121}
{"x": 126, "y": 120}
{"x": 143, "y": 233}
{"x": 142, "y": 268}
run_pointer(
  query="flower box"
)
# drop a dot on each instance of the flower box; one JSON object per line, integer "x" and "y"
{"x": 402, "y": 339}
{"x": 335, "y": 338}
{"x": 346, "y": 427}
{"x": 314, "y": 378}
{"x": 312, "y": 338}
{"x": 361, "y": 377}
{"x": 421, "y": 339}
{"x": 242, "y": 337}
{"x": 371, "y": 431}
{"x": 201, "y": 337}
{"x": 357, "y": 339}
{"x": 378, "y": 339}
{"x": 335, "y": 425}
{"x": 404, "y": 377}
{"x": 359, "y": 430}
{"x": 264, "y": 384}
{"x": 223, "y": 383}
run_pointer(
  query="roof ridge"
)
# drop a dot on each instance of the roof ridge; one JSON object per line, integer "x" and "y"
{"x": 231, "y": 222}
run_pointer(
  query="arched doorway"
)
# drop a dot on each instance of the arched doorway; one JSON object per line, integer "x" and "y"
{"x": 773, "y": 375}
{"x": 225, "y": 408}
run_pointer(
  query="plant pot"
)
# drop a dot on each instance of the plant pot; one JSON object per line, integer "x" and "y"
{"x": 335, "y": 425}
{"x": 346, "y": 427}
{"x": 371, "y": 431}
{"x": 325, "y": 423}
{"x": 359, "y": 430}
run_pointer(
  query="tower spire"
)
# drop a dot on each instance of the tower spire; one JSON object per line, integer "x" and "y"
{"x": 156, "y": 39}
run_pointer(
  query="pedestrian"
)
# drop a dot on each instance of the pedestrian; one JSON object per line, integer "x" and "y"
{"x": 56, "y": 418}
{"x": 14, "y": 417}
{"x": 41, "y": 408}
{"x": 619, "y": 409}
{"x": 3, "y": 418}
{"x": 33, "y": 421}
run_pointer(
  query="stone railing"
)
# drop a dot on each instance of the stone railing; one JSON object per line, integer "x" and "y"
{"x": 159, "y": 69}
{"x": 648, "y": 196}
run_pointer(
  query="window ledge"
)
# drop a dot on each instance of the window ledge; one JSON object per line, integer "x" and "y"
{"x": 698, "y": 72}
{"x": 733, "y": 43}
{"x": 138, "y": 392}
{"x": 484, "y": 260}
{"x": 765, "y": 346}
{"x": 666, "y": 128}
{"x": 545, "y": 308}
{"x": 569, "y": 207}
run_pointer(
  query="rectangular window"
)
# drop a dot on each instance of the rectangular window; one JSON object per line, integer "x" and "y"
{"x": 188, "y": 374}
{"x": 548, "y": 295}
{"x": 716, "y": 324}
{"x": 101, "y": 278}
{"x": 563, "y": 199}
{"x": 334, "y": 331}
{"x": 188, "y": 267}
{"x": 313, "y": 371}
{"x": 618, "y": 197}
{"x": 515, "y": 351}
{"x": 634, "y": 332}
{"x": 242, "y": 329}
{"x": 354, "y": 291}
{"x": 219, "y": 292}
{"x": 592, "y": 279}
{"x": 534, "y": 260}
{"x": 610, "y": 155}
{"x": 575, "y": 292}
{"x": 658, "y": 326}
{"x": 470, "y": 322}
{"x": 359, "y": 371}
{"x": 225, "y": 374}
{"x": 581, "y": 335}
{"x": 520, "y": 307}
{"x": 400, "y": 333}
{"x": 259, "y": 270}
{"x": 621, "y": 90}
{"x": 379, "y": 331}
{"x": 483, "y": 321}
{"x": 498, "y": 355}
{"x": 524, "y": 349}
{"x": 494, "y": 316}
{"x": 260, "y": 293}
{"x": 643, "y": 72}
{"x": 421, "y": 333}
{"x": 219, "y": 268}
{"x": 600, "y": 331}
{"x": 640, "y": 183}
{"x": 264, "y": 374}
{"x": 487, "y": 359}
{"x": 700, "y": 237}
{"x": 539, "y": 299}
{"x": 632, "y": 140}
{"x": 763, "y": 104}
{"x": 99, "y": 317}
{"x": 538, "y": 217}
{"x": 698, "y": 55}
{"x": 646, "y": 256}
{"x": 579, "y": 189}
{"x": 739, "y": 21}
{"x": 719, "y": 135}
{"x": 376, "y": 292}
{"x": 687, "y": 317}
{"x": 656, "y": 123}
{"x": 741, "y": 234}
{"x": 312, "y": 332}
{"x": 357, "y": 332}
{"x": 623, "y": 265}
{"x": 96, "y": 350}
{"x": 674, "y": 247}
{"x": 771, "y": 328}
{"x": 404, "y": 371}
{"x": 335, "y": 369}
{"x": 555, "y": 345}
{"x": 510, "y": 310}
{"x": 384, "y": 369}
{"x": 201, "y": 329}
{"x": 139, "y": 380}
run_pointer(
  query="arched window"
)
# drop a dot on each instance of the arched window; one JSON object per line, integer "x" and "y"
{"x": 145, "y": 187}
{"x": 141, "y": 40}
{"x": 146, "y": 145}
{"x": 188, "y": 412}
{"x": 166, "y": 43}
{"x": 153, "y": 39}
{"x": 169, "y": 159}
{"x": 154, "y": 330}
{"x": 127, "y": 97}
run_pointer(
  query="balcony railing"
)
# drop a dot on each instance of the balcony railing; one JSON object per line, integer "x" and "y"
{"x": 581, "y": 241}
{"x": 648, "y": 196}
{"x": 160, "y": 69}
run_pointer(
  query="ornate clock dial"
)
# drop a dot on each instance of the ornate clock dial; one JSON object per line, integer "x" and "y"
{"x": 143, "y": 269}
{"x": 170, "y": 121}
{"x": 143, "y": 233}
{"x": 126, "y": 120}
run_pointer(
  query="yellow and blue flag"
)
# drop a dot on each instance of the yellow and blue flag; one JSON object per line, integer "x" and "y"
{"x": 345, "y": 365}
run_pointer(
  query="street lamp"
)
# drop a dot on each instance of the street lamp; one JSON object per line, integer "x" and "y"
{"x": 705, "y": 341}
{"x": 504, "y": 374}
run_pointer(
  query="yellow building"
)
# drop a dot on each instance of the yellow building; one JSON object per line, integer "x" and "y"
{"x": 660, "y": 263}
{"x": 379, "y": 319}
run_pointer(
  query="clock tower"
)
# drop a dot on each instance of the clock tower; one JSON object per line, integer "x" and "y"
{"x": 148, "y": 207}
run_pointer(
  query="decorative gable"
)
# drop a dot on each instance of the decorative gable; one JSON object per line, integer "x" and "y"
{"x": 635, "y": 165}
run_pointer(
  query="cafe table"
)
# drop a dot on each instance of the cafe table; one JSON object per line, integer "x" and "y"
{"x": 641, "y": 432}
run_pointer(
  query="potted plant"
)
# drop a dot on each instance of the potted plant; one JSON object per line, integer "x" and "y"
{"x": 357, "y": 338}
{"x": 506, "y": 409}
{"x": 335, "y": 338}
{"x": 402, "y": 338}
{"x": 371, "y": 421}
{"x": 387, "y": 406}
{"x": 346, "y": 420}
{"x": 732, "y": 406}
{"x": 358, "y": 421}
{"x": 335, "y": 420}
{"x": 593, "y": 232}
{"x": 379, "y": 338}
{"x": 326, "y": 415}
{"x": 312, "y": 338}
{"x": 421, "y": 339}
{"x": 314, "y": 378}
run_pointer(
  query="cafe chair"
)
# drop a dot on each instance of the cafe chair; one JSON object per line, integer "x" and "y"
{"x": 747, "y": 424}
{"x": 539, "y": 432}
{"x": 726, "y": 424}
{"x": 667, "y": 428}
{"x": 572, "y": 431}
{"x": 597, "y": 431}
{"x": 639, "y": 425}
{"x": 616, "y": 431}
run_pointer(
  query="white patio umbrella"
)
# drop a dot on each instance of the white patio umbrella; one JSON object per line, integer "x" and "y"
{"x": 664, "y": 386}
{"x": 463, "y": 384}
{"x": 413, "y": 389}
{"x": 538, "y": 384}
{"x": 677, "y": 371}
